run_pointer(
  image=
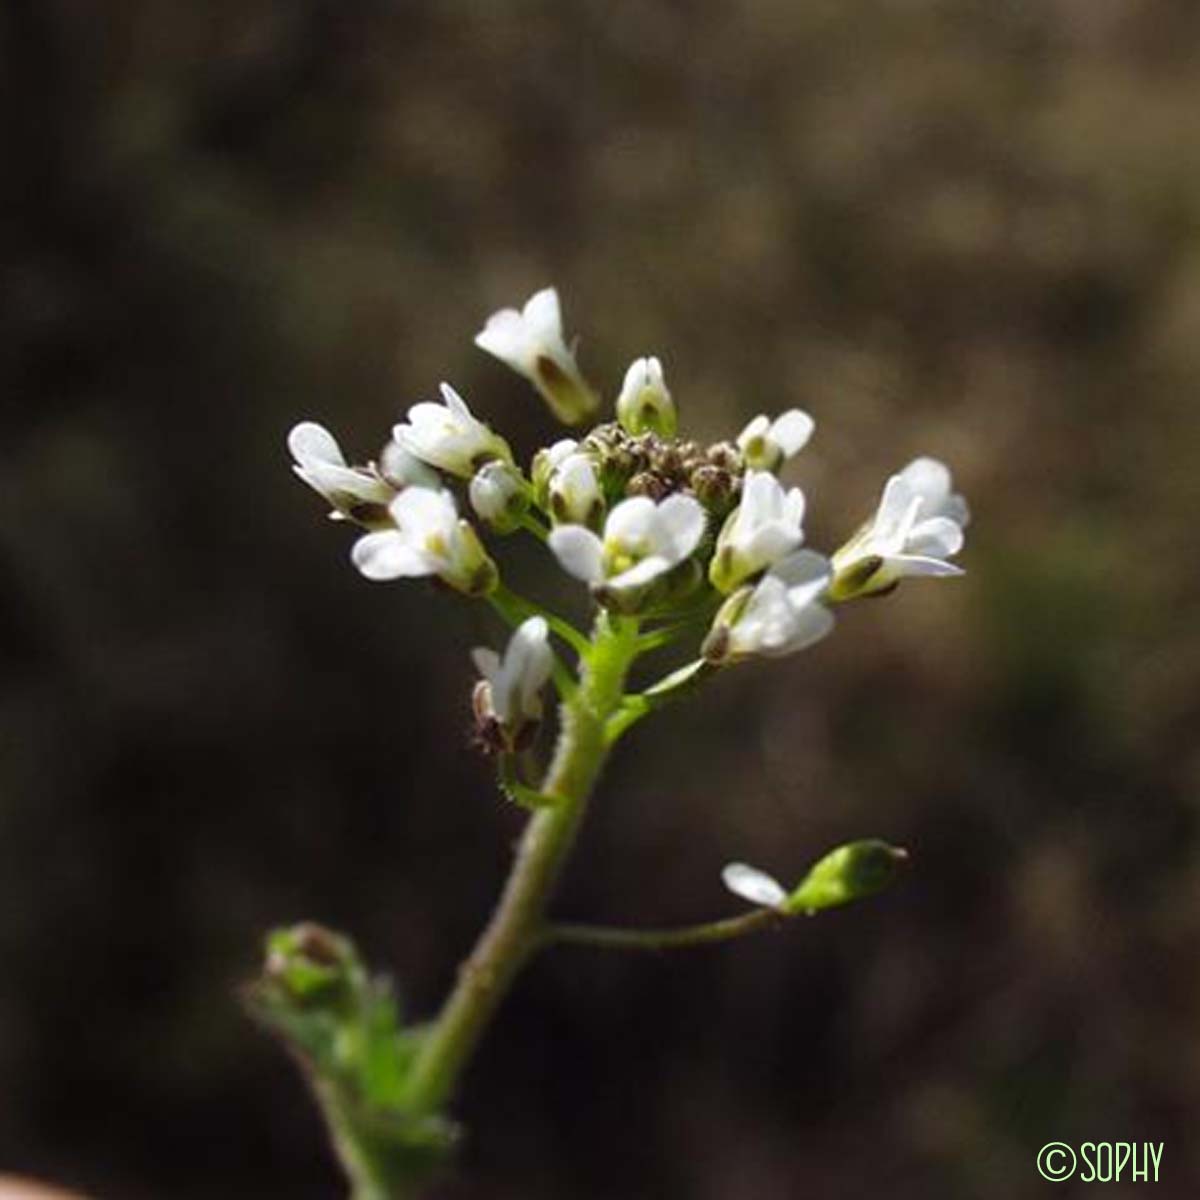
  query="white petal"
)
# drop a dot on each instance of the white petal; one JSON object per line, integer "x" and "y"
{"x": 754, "y": 885}
{"x": 310, "y": 443}
{"x": 529, "y": 659}
{"x": 897, "y": 499}
{"x": 579, "y": 552}
{"x": 682, "y": 520}
{"x": 805, "y": 568}
{"x": 640, "y": 574}
{"x": 456, "y": 404}
{"x": 635, "y": 378}
{"x": 791, "y": 431}
{"x": 504, "y": 337}
{"x": 937, "y": 537}
{"x": 631, "y": 521}
{"x": 757, "y": 428}
{"x": 403, "y": 468}
{"x": 930, "y": 479}
{"x": 543, "y": 317}
{"x": 914, "y": 564}
{"x": 421, "y": 510}
{"x": 810, "y": 623}
{"x": 388, "y": 555}
{"x": 487, "y": 662}
{"x": 762, "y": 498}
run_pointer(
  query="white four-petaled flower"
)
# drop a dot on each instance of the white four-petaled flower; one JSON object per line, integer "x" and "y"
{"x": 645, "y": 404}
{"x": 510, "y": 691}
{"x": 450, "y": 437}
{"x": 429, "y": 539}
{"x": 356, "y": 493}
{"x": 754, "y": 885}
{"x": 917, "y": 527}
{"x": 531, "y": 342}
{"x": 767, "y": 444}
{"x": 765, "y": 526}
{"x": 779, "y": 615}
{"x": 642, "y": 541}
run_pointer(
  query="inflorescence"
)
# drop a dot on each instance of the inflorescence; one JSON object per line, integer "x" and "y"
{"x": 684, "y": 539}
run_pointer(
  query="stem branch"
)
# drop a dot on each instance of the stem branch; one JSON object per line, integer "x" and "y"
{"x": 610, "y": 938}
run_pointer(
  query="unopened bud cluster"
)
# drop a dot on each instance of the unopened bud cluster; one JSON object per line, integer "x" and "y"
{"x": 660, "y": 527}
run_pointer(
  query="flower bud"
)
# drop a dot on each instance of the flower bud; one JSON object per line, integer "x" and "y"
{"x": 574, "y": 493}
{"x": 645, "y": 404}
{"x": 507, "y": 700}
{"x": 850, "y": 872}
{"x": 499, "y": 496}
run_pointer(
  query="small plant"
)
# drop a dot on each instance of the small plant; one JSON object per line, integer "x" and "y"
{"x": 678, "y": 544}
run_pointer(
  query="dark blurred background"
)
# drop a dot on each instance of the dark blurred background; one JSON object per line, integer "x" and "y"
{"x": 963, "y": 227}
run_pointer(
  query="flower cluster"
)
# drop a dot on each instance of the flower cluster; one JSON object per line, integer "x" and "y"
{"x": 700, "y": 540}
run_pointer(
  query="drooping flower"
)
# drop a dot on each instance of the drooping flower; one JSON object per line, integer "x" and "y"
{"x": 754, "y": 885}
{"x": 765, "y": 526}
{"x": 916, "y": 529}
{"x": 357, "y": 494}
{"x": 642, "y": 541}
{"x": 574, "y": 492}
{"x": 429, "y": 539}
{"x": 531, "y": 342}
{"x": 766, "y": 445}
{"x": 508, "y": 702}
{"x": 779, "y": 615}
{"x": 450, "y": 437}
{"x": 645, "y": 404}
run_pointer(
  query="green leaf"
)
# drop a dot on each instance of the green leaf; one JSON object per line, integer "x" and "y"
{"x": 345, "y": 1027}
{"x": 848, "y": 873}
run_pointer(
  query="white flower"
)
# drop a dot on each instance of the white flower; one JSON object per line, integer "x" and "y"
{"x": 356, "y": 493}
{"x": 779, "y": 615}
{"x": 917, "y": 527}
{"x": 509, "y": 695}
{"x": 531, "y": 342}
{"x": 429, "y": 539}
{"x": 645, "y": 405}
{"x": 754, "y": 885}
{"x": 767, "y": 444}
{"x": 450, "y": 437}
{"x": 765, "y": 526}
{"x": 574, "y": 492}
{"x": 499, "y": 496}
{"x": 642, "y": 541}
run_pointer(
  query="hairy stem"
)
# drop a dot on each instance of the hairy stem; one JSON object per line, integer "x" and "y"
{"x": 516, "y": 928}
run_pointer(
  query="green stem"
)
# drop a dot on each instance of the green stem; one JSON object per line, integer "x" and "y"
{"x": 609, "y": 938}
{"x": 516, "y": 928}
{"x": 515, "y": 609}
{"x": 369, "y": 1175}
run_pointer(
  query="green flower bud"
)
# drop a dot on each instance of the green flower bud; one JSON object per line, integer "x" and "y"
{"x": 848, "y": 873}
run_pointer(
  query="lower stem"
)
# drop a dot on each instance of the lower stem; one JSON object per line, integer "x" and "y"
{"x": 516, "y": 928}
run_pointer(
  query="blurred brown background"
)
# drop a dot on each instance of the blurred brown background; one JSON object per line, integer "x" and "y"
{"x": 963, "y": 227}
